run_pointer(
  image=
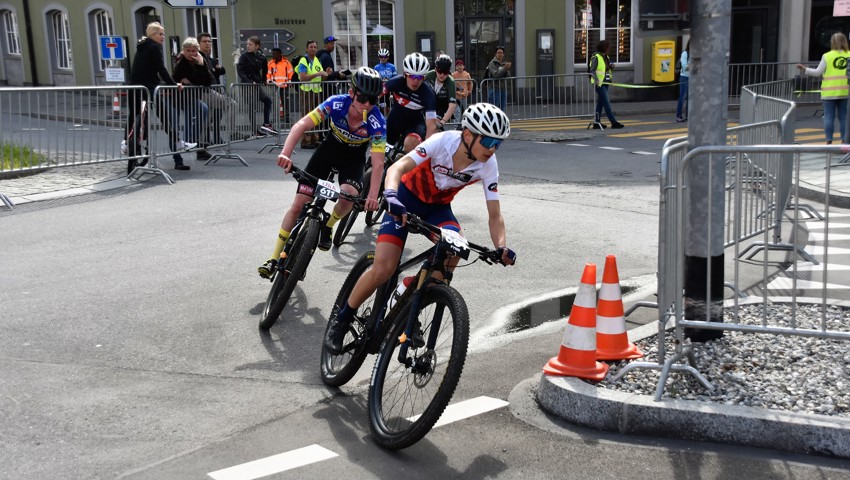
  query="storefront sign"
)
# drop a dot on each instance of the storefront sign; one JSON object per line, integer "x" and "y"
{"x": 841, "y": 8}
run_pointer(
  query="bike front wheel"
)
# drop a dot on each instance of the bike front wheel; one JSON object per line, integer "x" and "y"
{"x": 337, "y": 370}
{"x": 291, "y": 272}
{"x": 406, "y": 398}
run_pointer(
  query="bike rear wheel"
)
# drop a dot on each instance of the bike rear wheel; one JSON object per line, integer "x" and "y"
{"x": 345, "y": 226}
{"x": 291, "y": 272}
{"x": 406, "y": 400}
{"x": 338, "y": 369}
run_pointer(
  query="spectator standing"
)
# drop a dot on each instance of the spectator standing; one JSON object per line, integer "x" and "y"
{"x": 252, "y": 68}
{"x": 280, "y": 72}
{"x": 216, "y": 69}
{"x": 310, "y": 72}
{"x": 684, "y": 76}
{"x": 833, "y": 87}
{"x": 147, "y": 70}
{"x": 463, "y": 88}
{"x": 600, "y": 76}
{"x": 326, "y": 56}
{"x": 497, "y": 70}
{"x": 387, "y": 71}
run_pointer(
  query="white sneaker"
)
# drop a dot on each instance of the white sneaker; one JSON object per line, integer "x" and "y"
{"x": 124, "y": 148}
{"x": 181, "y": 145}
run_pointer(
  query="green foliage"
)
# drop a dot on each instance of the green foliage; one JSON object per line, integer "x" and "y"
{"x": 16, "y": 157}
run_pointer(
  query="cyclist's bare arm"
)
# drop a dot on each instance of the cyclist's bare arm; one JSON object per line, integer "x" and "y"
{"x": 399, "y": 168}
{"x": 497, "y": 228}
{"x": 307, "y": 122}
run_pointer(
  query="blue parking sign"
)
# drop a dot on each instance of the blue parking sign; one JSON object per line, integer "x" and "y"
{"x": 112, "y": 48}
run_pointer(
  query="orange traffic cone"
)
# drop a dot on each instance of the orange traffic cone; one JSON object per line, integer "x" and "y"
{"x": 577, "y": 356}
{"x": 612, "y": 341}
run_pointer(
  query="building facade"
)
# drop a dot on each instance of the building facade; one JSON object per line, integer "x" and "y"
{"x": 56, "y": 42}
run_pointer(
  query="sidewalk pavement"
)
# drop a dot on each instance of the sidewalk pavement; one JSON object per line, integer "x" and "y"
{"x": 570, "y": 398}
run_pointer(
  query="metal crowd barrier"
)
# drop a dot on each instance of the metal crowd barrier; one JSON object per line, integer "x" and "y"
{"x": 804, "y": 88}
{"x": 542, "y": 96}
{"x": 750, "y": 179}
{"x": 49, "y": 127}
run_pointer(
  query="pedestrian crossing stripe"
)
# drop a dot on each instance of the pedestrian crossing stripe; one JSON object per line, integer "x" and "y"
{"x": 810, "y": 267}
{"x": 785, "y": 283}
{"x": 818, "y": 236}
{"x": 822, "y": 225}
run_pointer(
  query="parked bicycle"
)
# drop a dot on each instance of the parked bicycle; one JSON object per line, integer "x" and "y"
{"x": 393, "y": 153}
{"x": 421, "y": 335}
{"x": 301, "y": 244}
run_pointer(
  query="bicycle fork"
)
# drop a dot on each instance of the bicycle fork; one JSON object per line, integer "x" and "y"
{"x": 412, "y": 335}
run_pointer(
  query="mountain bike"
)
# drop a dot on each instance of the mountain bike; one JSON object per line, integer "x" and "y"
{"x": 391, "y": 154}
{"x": 421, "y": 337}
{"x": 301, "y": 244}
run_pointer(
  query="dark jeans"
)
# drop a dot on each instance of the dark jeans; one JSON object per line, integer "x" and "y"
{"x": 683, "y": 96}
{"x": 602, "y": 102}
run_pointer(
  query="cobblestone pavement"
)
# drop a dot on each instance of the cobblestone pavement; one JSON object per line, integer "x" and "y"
{"x": 62, "y": 178}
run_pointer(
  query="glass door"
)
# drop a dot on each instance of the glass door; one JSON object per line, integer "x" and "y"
{"x": 483, "y": 35}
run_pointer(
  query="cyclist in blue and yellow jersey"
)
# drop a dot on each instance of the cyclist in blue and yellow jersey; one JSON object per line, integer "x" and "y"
{"x": 387, "y": 71}
{"x": 424, "y": 182}
{"x": 356, "y": 123}
{"x": 414, "y": 111}
{"x": 833, "y": 87}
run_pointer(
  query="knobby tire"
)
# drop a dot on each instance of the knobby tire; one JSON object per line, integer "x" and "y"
{"x": 404, "y": 405}
{"x": 297, "y": 260}
{"x": 337, "y": 370}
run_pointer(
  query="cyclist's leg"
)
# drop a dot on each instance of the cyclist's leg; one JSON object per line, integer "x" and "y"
{"x": 414, "y": 136}
{"x": 442, "y": 216}
{"x": 350, "y": 169}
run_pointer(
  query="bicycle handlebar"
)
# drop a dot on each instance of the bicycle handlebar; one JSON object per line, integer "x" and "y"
{"x": 415, "y": 224}
{"x": 302, "y": 175}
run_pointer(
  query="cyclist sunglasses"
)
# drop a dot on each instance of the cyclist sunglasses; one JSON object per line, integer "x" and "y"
{"x": 490, "y": 142}
{"x": 416, "y": 77}
{"x": 363, "y": 98}
{"x": 444, "y": 72}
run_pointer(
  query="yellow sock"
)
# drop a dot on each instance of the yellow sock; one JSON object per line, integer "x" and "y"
{"x": 278, "y": 245}
{"x": 332, "y": 221}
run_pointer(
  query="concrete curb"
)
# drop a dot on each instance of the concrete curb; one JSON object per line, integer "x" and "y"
{"x": 579, "y": 402}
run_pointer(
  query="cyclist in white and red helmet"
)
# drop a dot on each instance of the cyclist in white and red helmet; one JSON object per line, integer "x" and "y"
{"x": 414, "y": 111}
{"x": 424, "y": 182}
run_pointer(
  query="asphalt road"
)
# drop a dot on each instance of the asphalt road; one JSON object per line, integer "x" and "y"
{"x": 129, "y": 346}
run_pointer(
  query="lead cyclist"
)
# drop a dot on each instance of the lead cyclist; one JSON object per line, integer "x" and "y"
{"x": 424, "y": 182}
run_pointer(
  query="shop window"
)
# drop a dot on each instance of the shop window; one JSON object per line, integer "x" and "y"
{"x": 597, "y": 20}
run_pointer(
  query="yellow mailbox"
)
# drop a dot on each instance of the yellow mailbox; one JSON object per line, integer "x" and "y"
{"x": 663, "y": 61}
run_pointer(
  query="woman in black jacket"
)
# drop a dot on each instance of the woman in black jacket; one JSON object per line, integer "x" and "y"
{"x": 252, "y": 68}
{"x": 147, "y": 70}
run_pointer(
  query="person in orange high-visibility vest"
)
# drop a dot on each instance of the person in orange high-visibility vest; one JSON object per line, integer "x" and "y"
{"x": 280, "y": 73}
{"x": 833, "y": 87}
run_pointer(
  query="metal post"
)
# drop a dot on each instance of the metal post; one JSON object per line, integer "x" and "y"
{"x": 709, "y": 66}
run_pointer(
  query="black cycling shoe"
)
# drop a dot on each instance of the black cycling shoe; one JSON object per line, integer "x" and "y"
{"x": 325, "y": 238}
{"x": 265, "y": 270}
{"x": 336, "y": 335}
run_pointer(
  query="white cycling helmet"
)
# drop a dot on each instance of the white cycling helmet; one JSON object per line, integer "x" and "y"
{"x": 383, "y": 53}
{"x": 486, "y": 119}
{"x": 415, "y": 64}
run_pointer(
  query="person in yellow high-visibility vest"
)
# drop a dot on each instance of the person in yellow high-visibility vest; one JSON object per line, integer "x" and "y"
{"x": 311, "y": 73}
{"x": 833, "y": 87}
{"x": 280, "y": 73}
{"x": 599, "y": 67}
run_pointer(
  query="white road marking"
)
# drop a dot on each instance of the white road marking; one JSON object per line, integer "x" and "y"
{"x": 610, "y": 148}
{"x": 819, "y": 236}
{"x": 819, "y": 250}
{"x": 578, "y": 145}
{"x": 466, "y": 409}
{"x": 809, "y": 267}
{"x": 274, "y": 464}
{"x": 644, "y": 153}
{"x": 822, "y": 225}
{"x": 784, "y": 283}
